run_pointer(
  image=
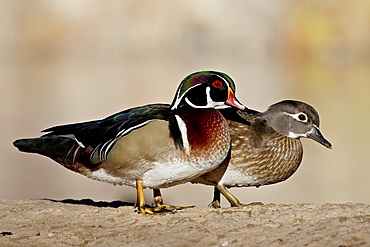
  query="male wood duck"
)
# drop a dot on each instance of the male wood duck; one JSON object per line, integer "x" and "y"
{"x": 266, "y": 147}
{"x": 152, "y": 146}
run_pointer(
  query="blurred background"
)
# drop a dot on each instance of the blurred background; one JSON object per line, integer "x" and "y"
{"x": 68, "y": 61}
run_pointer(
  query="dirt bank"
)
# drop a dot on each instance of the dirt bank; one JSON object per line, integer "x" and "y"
{"x": 88, "y": 223}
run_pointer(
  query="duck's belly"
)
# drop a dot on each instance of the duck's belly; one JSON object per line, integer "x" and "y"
{"x": 235, "y": 178}
{"x": 156, "y": 174}
{"x": 245, "y": 175}
{"x": 173, "y": 173}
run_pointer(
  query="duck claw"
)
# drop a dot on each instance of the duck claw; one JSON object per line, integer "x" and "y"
{"x": 158, "y": 202}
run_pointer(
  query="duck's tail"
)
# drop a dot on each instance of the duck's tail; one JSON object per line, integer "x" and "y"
{"x": 63, "y": 150}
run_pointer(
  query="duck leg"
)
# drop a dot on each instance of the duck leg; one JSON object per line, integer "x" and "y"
{"x": 140, "y": 202}
{"x": 158, "y": 201}
{"x": 234, "y": 202}
{"x": 216, "y": 202}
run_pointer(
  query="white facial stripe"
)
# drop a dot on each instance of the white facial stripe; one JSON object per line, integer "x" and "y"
{"x": 208, "y": 94}
{"x": 179, "y": 99}
{"x": 210, "y": 102}
{"x": 184, "y": 133}
{"x": 192, "y": 105}
{"x": 198, "y": 106}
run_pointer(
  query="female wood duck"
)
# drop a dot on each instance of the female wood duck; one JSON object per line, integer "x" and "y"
{"x": 266, "y": 147}
{"x": 152, "y": 146}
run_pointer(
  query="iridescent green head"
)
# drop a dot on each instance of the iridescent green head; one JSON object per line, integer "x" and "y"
{"x": 206, "y": 89}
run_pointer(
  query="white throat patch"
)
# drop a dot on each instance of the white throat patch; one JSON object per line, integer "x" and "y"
{"x": 295, "y": 135}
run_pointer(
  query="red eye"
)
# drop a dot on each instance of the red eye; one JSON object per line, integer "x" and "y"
{"x": 217, "y": 84}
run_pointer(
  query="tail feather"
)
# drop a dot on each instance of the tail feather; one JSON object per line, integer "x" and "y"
{"x": 61, "y": 149}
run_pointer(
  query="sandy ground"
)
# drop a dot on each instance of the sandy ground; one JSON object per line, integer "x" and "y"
{"x": 85, "y": 222}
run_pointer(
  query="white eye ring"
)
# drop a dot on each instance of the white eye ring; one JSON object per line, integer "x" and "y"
{"x": 301, "y": 117}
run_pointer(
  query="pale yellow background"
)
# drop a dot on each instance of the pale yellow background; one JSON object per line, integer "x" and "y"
{"x": 69, "y": 61}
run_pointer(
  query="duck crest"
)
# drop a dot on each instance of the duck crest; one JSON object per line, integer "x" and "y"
{"x": 207, "y": 131}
